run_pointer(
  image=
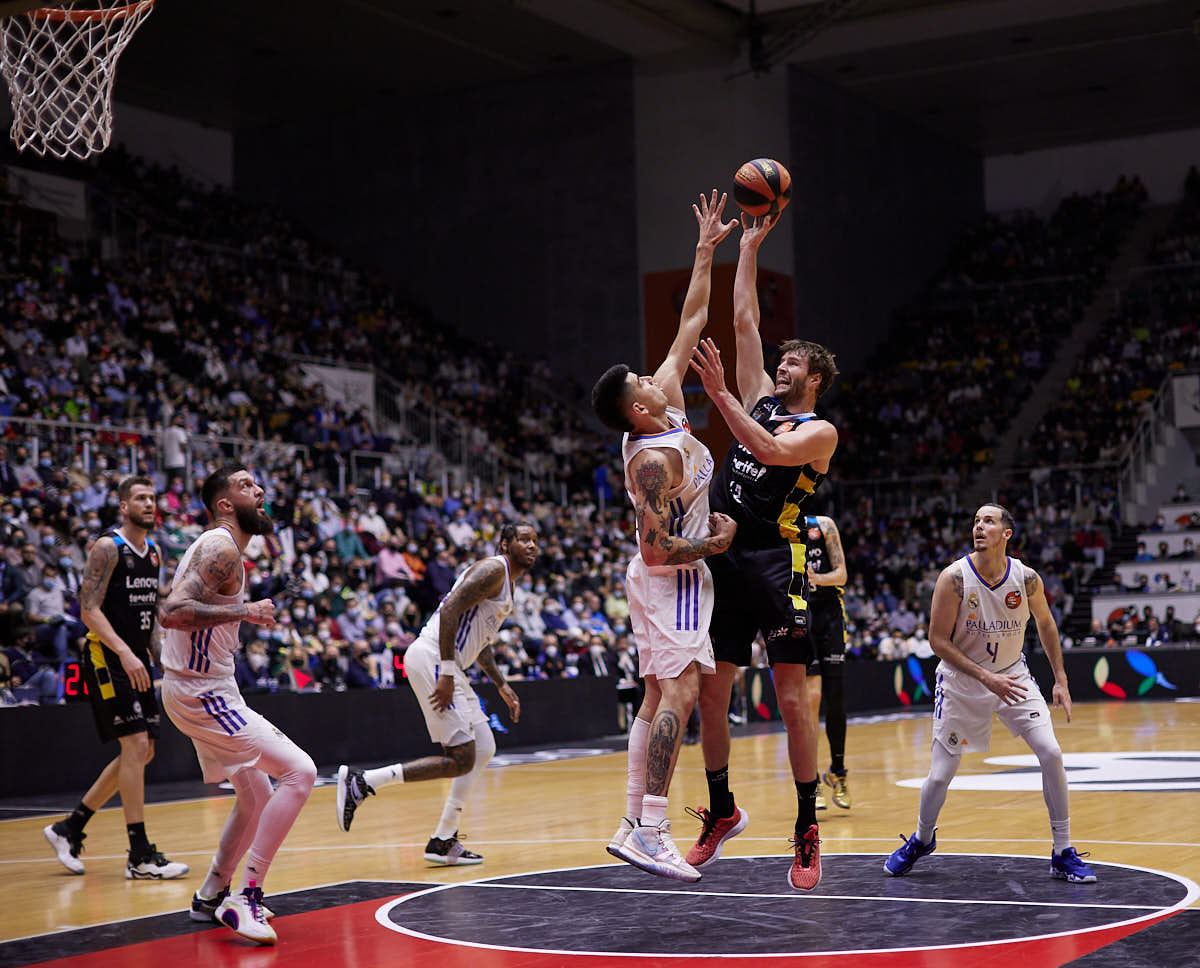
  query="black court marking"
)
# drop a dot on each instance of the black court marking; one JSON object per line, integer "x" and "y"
{"x": 948, "y": 900}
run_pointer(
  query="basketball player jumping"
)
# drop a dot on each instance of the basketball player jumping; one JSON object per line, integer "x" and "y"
{"x": 981, "y": 605}
{"x": 119, "y": 603}
{"x": 458, "y": 634}
{"x": 668, "y": 585}
{"x": 202, "y": 616}
{"x": 781, "y": 454}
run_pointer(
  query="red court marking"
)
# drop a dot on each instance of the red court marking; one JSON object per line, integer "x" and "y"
{"x": 350, "y": 935}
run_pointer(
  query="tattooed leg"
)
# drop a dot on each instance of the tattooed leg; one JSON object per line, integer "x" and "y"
{"x": 666, "y": 730}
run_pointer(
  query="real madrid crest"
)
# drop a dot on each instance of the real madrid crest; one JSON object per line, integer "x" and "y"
{"x": 973, "y": 601}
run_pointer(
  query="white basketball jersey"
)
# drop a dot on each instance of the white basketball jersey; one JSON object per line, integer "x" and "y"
{"x": 204, "y": 653}
{"x": 688, "y": 503}
{"x": 990, "y": 628}
{"x": 478, "y": 625}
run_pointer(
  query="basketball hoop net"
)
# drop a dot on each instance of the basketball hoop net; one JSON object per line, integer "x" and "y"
{"x": 60, "y": 63}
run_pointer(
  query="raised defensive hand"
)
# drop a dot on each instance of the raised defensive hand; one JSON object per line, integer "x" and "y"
{"x": 706, "y": 360}
{"x": 708, "y": 215}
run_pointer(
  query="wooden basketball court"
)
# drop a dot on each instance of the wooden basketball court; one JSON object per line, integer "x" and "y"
{"x": 549, "y": 894}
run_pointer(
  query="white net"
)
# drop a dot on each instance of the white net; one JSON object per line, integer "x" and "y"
{"x": 60, "y": 63}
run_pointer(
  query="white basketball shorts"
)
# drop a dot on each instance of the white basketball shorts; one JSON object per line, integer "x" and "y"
{"x": 228, "y": 735}
{"x": 963, "y": 708}
{"x": 670, "y": 609}
{"x": 455, "y": 725}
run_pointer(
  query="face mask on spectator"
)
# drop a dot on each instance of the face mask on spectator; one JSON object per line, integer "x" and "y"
{"x": 93, "y": 524}
{"x": 439, "y": 546}
{"x": 321, "y": 492}
{"x": 258, "y": 661}
{"x": 48, "y": 582}
{"x": 47, "y": 540}
{"x": 65, "y": 561}
{"x": 411, "y": 549}
{"x": 298, "y": 613}
{"x": 352, "y": 613}
{"x": 540, "y": 588}
{"x": 308, "y": 593}
{"x": 298, "y": 662}
{"x": 578, "y": 608}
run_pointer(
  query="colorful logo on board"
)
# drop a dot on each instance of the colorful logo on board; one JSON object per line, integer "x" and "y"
{"x": 916, "y": 675}
{"x": 1141, "y": 664}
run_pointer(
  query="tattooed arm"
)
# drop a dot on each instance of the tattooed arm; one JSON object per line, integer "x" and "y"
{"x": 836, "y": 576}
{"x": 97, "y": 571}
{"x": 215, "y": 569}
{"x": 1039, "y": 608}
{"x": 653, "y": 478}
{"x": 484, "y": 579}
{"x": 943, "y": 615}
{"x": 487, "y": 662}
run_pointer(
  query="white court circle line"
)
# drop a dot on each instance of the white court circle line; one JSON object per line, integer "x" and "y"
{"x": 382, "y": 917}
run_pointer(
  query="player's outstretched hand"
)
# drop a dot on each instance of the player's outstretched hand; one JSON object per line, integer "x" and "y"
{"x": 261, "y": 613}
{"x": 1009, "y": 688}
{"x": 708, "y": 215}
{"x": 706, "y": 361}
{"x": 1062, "y": 697}
{"x": 755, "y": 229}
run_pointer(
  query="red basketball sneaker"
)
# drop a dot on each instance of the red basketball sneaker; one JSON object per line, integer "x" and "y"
{"x": 714, "y": 831}
{"x": 805, "y": 872}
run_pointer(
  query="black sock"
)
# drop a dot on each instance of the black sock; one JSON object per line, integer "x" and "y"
{"x": 837, "y": 764}
{"x": 138, "y": 844}
{"x": 720, "y": 800}
{"x": 78, "y": 819}
{"x": 806, "y": 797}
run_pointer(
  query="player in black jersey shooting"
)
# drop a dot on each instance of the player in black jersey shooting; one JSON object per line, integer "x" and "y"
{"x": 119, "y": 605}
{"x": 781, "y": 454}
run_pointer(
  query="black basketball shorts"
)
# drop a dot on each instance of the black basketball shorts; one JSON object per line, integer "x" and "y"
{"x": 119, "y": 709}
{"x": 827, "y": 629}
{"x": 761, "y": 590}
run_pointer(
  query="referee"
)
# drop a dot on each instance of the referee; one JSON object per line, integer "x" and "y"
{"x": 119, "y": 604}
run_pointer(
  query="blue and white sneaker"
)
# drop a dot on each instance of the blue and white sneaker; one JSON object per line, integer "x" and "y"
{"x": 1068, "y": 867}
{"x": 902, "y": 858}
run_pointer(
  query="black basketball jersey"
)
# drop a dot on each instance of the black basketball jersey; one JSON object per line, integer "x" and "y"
{"x": 764, "y": 500}
{"x": 816, "y": 551}
{"x": 131, "y": 602}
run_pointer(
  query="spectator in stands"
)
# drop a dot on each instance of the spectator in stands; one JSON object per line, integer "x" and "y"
{"x": 1154, "y": 634}
{"x": 1172, "y": 627}
{"x": 33, "y": 678}
{"x": 1164, "y": 550}
{"x": 1143, "y": 554}
{"x": 46, "y": 607}
{"x": 361, "y": 667}
{"x": 1187, "y": 552}
{"x": 1181, "y": 495}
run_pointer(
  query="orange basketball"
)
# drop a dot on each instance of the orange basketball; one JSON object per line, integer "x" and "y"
{"x": 762, "y": 187}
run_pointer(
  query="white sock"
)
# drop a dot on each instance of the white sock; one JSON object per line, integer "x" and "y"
{"x": 654, "y": 810}
{"x": 635, "y": 783}
{"x": 451, "y": 812}
{"x": 460, "y": 786}
{"x": 384, "y": 775}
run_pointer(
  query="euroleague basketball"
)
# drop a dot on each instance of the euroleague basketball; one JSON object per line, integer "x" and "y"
{"x": 762, "y": 187}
